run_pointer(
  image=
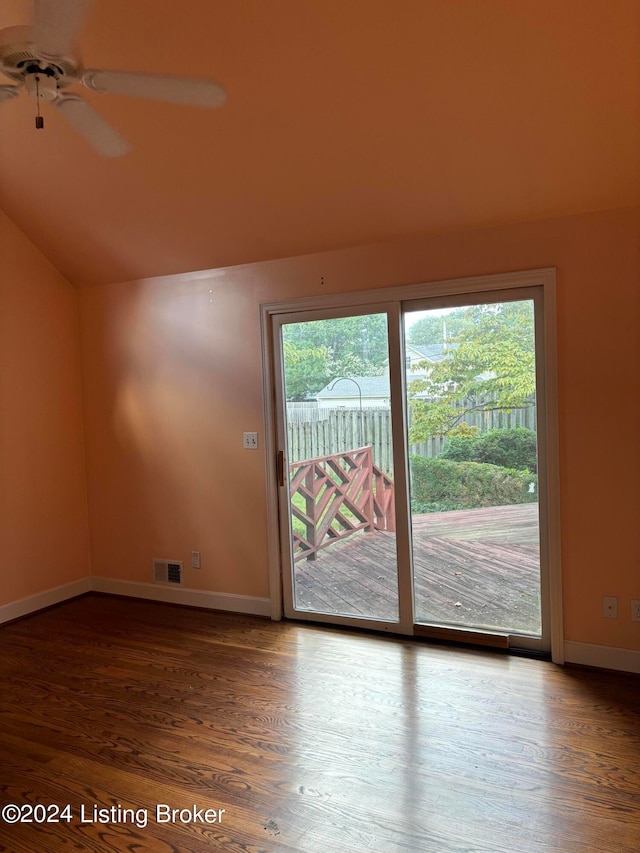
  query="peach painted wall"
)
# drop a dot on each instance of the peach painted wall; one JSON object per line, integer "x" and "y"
{"x": 43, "y": 508}
{"x": 172, "y": 377}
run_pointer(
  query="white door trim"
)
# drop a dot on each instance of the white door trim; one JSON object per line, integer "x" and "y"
{"x": 544, "y": 278}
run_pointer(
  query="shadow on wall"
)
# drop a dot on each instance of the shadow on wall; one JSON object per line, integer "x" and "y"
{"x": 173, "y": 376}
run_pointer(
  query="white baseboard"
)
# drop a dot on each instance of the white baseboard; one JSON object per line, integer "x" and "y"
{"x": 603, "y": 657}
{"x": 40, "y": 600}
{"x": 587, "y": 654}
{"x": 248, "y": 604}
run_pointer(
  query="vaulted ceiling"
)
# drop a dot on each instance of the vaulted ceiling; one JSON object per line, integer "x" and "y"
{"x": 347, "y": 121}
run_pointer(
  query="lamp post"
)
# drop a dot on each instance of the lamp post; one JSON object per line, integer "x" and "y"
{"x": 349, "y": 379}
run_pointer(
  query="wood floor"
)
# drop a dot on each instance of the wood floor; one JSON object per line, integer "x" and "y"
{"x": 312, "y": 740}
{"x": 472, "y": 568}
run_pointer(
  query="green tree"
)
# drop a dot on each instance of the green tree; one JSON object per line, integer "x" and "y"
{"x": 434, "y": 328}
{"x": 319, "y": 351}
{"x": 305, "y": 372}
{"x": 491, "y": 366}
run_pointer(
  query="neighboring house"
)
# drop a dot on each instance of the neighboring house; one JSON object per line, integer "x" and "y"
{"x": 373, "y": 391}
{"x": 417, "y": 353}
{"x": 351, "y": 392}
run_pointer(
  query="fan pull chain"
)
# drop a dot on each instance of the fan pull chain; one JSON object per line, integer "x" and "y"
{"x": 39, "y": 118}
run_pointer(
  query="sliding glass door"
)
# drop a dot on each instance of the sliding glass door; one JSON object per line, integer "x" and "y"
{"x": 337, "y": 469}
{"x": 473, "y": 461}
{"x": 409, "y": 472}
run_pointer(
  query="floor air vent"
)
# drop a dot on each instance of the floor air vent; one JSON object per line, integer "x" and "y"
{"x": 167, "y": 571}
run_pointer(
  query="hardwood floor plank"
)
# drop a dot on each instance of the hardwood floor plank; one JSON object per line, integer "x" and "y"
{"x": 311, "y": 739}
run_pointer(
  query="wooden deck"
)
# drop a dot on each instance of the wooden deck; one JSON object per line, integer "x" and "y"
{"x": 475, "y": 567}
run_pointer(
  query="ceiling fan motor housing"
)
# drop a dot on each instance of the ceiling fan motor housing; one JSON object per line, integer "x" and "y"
{"x": 41, "y": 83}
{"x": 22, "y": 62}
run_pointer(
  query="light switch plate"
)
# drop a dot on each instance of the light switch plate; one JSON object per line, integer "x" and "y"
{"x": 250, "y": 440}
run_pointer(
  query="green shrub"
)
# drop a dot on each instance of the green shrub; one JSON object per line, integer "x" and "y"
{"x": 442, "y": 484}
{"x": 510, "y": 448}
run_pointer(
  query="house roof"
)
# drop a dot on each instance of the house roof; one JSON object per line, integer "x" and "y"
{"x": 347, "y": 122}
{"x": 370, "y": 386}
{"x": 432, "y": 352}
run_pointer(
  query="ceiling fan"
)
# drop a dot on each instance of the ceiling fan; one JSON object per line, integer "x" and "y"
{"x": 43, "y": 61}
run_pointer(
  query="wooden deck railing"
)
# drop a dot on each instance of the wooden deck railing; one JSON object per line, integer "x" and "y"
{"x": 335, "y": 496}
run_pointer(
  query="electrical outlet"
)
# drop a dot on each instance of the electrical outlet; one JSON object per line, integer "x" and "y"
{"x": 250, "y": 440}
{"x": 195, "y": 559}
{"x": 610, "y": 607}
{"x": 635, "y": 610}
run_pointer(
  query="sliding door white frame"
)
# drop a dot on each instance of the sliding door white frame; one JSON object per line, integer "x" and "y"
{"x": 548, "y": 421}
{"x": 404, "y": 623}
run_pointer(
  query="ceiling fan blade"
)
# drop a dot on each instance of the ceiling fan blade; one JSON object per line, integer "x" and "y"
{"x": 163, "y": 87}
{"x": 90, "y": 124}
{"x": 7, "y": 92}
{"x": 57, "y": 23}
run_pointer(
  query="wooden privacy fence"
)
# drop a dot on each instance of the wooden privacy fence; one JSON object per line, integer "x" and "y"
{"x": 335, "y": 496}
{"x": 338, "y": 430}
